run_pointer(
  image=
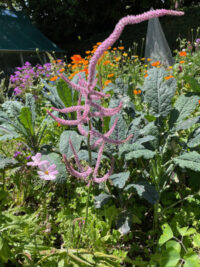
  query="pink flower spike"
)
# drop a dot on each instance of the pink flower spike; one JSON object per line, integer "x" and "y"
{"x": 106, "y": 176}
{"x": 108, "y": 140}
{"x": 74, "y": 86}
{"x": 81, "y": 175}
{"x": 47, "y": 171}
{"x": 118, "y": 30}
{"x": 36, "y": 160}
{"x": 98, "y": 160}
{"x": 104, "y": 112}
{"x": 72, "y": 122}
{"x": 70, "y": 109}
{"x": 75, "y": 156}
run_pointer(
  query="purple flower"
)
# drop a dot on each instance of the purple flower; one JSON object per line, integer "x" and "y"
{"x": 17, "y": 91}
{"x": 47, "y": 171}
{"x": 28, "y": 157}
{"x": 36, "y": 160}
{"x": 16, "y": 154}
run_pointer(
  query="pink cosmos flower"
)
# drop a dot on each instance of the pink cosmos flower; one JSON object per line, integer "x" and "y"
{"x": 36, "y": 160}
{"x": 47, "y": 171}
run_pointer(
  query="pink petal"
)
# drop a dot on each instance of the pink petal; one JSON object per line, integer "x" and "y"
{"x": 106, "y": 176}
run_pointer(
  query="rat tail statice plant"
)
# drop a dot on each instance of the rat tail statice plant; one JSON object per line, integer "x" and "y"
{"x": 85, "y": 112}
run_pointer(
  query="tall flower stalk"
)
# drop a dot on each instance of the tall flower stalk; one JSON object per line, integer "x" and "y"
{"x": 91, "y": 108}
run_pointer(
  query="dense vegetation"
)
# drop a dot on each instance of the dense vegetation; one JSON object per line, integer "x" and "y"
{"x": 105, "y": 171}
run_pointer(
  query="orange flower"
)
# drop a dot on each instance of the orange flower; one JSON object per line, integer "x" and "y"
{"x": 182, "y": 54}
{"x": 149, "y": 59}
{"x": 146, "y": 75}
{"x": 121, "y": 47}
{"x": 58, "y": 124}
{"x": 125, "y": 54}
{"x": 76, "y": 58}
{"x": 110, "y": 75}
{"x": 62, "y": 70}
{"x": 117, "y": 59}
{"x": 54, "y": 61}
{"x": 139, "y": 91}
{"x": 88, "y": 52}
{"x": 106, "y": 62}
{"x": 199, "y": 101}
{"x": 155, "y": 64}
{"x": 182, "y": 62}
{"x": 107, "y": 82}
{"x": 114, "y": 48}
{"x": 59, "y": 60}
{"x": 53, "y": 79}
{"x": 168, "y": 77}
{"x": 99, "y": 43}
{"x": 135, "y": 92}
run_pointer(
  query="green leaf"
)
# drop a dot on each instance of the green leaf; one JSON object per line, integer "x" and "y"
{"x": 64, "y": 92}
{"x": 25, "y": 118}
{"x": 166, "y": 235}
{"x": 173, "y": 244}
{"x": 194, "y": 85}
{"x": 183, "y": 125}
{"x": 144, "y": 190}
{"x": 101, "y": 200}
{"x": 159, "y": 93}
{"x": 7, "y": 162}
{"x": 30, "y": 103}
{"x": 7, "y": 132}
{"x": 137, "y": 151}
{"x": 12, "y": 108}
{"x": 64, "y": 146}
{"x": 183, "y": 107}
{"x": 182, "y": 230}
{"x": 196, "y": 240}
{"x": 5, "y": 252}
{"x": 190, "y": 160}
{"x": 194, "y": 141}
{"x": 191, "y": 259}
{"x": 119, "y": 179}
{"x": 170, "y": 258}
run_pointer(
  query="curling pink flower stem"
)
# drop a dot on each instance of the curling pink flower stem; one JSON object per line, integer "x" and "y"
{"x": 118, "y": 30}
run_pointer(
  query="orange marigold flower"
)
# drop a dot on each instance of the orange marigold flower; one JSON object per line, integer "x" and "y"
{"x": 146, "y": 75}
{"x": 114, "y": 48}
{"x": 58, "y": 124}
{"x": 54, "y": 61}
{"x": 139, "y": 92}
{"x": 121, "y": 47}
{"x": 182, "y": 62}
{"x": 62, "y": 70}
{"x": 59, "y": 60}
{"x": 149, "y": 59}
{"x": 168, "y": 77}
{"x": 99, "y": 43}
{"x": 106, "y": 62}
{"x": 182, "y": 54}
{"x": 107, "y": 82}
{"x": 53, "y": 79}
{"x": 199, "y": 101}
{"x": 110, "y": 75}
{"x": 117, "y": 59}
{"x": 88, "y": 52}
{"x": 155, "y": 64}
{"x": 135, "y": 92}
{"x": 76, "y": 58}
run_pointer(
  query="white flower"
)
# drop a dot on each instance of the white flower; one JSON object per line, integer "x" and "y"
{"x": 47, "y": 171}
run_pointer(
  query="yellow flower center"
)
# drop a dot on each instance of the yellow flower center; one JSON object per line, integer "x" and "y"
{"x": 46, "y": 172}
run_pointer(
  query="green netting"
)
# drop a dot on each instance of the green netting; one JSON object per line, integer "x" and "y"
{"x": 18, "y": 34}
